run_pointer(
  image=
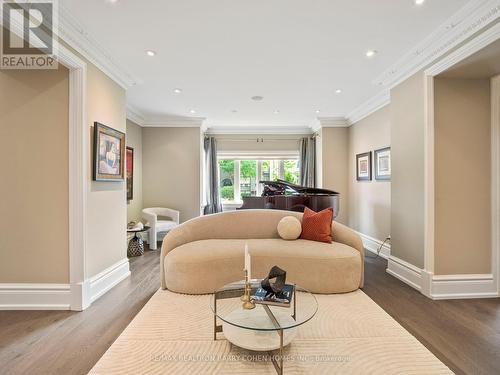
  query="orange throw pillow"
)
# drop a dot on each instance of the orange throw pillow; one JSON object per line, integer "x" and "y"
{"x": 317, "y": 226}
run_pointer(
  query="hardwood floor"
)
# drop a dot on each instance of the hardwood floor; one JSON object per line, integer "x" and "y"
{"x": 464, "y": 334}
{"x": 65, "y": 342}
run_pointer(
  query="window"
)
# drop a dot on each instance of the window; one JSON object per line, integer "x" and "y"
{"x": 240, "y": 178}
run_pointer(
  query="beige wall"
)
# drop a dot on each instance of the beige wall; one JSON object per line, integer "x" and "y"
{"x": 462, "y": 176}
{"x": 334, "y": 168}
{"x": 407, "y": 183}
{"x": 369, "y": 201}
{"x": 34, "y": 182}
{"x": 171, "y": 169}
{"x": 134, "y": 140}
{"x": 106, "y": 201}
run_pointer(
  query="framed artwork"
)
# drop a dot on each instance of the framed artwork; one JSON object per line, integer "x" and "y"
{"x": 383, "y": 164}
{"x": 130, "y": 173}
{"x": 109, "y": 153}
{"x": 364, "y": 166}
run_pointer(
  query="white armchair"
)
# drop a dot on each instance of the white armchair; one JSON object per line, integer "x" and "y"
{"x": 159, "y": 226}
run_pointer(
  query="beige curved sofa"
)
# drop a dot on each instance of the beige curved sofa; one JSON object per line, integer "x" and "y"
{"x": 207, "y": 252}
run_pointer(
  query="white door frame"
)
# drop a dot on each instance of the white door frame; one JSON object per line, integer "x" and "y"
{"x": 78, "y": 176}
{"x": 473, "y": 46}
{"x": 78, "y": 171}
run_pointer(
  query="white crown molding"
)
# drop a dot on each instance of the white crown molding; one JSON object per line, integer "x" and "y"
{"x": 174, "y": 122}
{"x": 134, "y": 115}
{"x": 475, "y": 16}
{"x": 469, "y": 20}
{"x": 333, "y": 122}
{"x": 478, "y": 43}
{"x": 373, "y": 104}
{"x": 73, "y": 33}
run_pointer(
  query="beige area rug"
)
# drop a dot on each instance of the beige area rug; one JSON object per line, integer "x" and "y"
{"x": 350, "y": 334}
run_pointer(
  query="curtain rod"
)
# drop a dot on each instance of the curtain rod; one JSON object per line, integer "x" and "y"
{"x": 259, "y": 139}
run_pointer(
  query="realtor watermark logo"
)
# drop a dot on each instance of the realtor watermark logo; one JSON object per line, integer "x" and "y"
{"x": 28, "y": 40}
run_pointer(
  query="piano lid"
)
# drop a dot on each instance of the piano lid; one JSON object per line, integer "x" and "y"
{"x": 281, "y": 187}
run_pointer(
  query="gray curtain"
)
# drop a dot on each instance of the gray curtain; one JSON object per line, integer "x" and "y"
{"x": 307, "y": 162}
{"x": 211, "y": 177}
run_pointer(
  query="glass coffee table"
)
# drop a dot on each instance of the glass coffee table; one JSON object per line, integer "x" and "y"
{"x": 264, "y": 328}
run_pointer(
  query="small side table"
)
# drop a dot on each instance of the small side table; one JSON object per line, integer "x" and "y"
{"x": 136, "y": 244}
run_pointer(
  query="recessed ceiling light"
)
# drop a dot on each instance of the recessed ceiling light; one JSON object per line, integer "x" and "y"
{"x": 318, "y": 111}
{"x": 150, "y": 53}
{"x": 371, "y": 53}
{"x": 112, "y": 1}
{"x": 257, "y": 98}
{"x": 276, "y": 112}
{"x": 177, "y": 91}
{"x": 419, "y": 2}
{"x": 338, "y": 91}
{"x": 192, "y": 111}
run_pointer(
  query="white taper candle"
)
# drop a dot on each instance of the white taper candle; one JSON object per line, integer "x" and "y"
{"x": 248, "y": 262}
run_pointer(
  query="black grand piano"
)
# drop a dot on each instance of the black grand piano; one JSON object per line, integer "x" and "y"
{"x": 283, "y": 195}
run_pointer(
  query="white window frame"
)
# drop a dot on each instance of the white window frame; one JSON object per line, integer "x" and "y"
{"x": 238, "y": 156}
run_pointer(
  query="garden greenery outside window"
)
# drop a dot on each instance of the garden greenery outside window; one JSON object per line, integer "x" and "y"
{"x": 240, "y": 178}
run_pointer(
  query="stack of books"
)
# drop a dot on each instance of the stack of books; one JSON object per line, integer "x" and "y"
{"x": 283, "y": 299}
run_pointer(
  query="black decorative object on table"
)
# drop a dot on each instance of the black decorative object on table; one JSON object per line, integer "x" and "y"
{"x": 275, "y": 288}
{"x": 136, "y": 243}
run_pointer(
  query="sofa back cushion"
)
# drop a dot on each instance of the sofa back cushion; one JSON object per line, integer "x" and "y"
{"x": 240, "y": 224}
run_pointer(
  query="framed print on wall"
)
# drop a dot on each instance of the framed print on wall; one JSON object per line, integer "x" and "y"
{"x": 130, "y": 173}
{"x": 383, "y": 164}
{"x": 109, "y": 153}
{"x": 364, "y": 166}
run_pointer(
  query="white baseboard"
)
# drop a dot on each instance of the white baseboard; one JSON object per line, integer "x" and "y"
{"x": 372, "y": 245}
{"x": 463, "y": 286}
{"x": 24, "y": 296}
{"x": 404, "y": 271}
{"x": 107, "y": 279}
{"x": 440, "y": 287}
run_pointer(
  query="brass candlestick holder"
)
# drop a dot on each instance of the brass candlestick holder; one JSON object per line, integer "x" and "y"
{"x": 245, "y": 298}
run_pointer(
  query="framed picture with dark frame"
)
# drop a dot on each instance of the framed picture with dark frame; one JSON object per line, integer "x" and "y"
{"x": 130, "y": 173}
{"x": 109, "y": 154}
{"x": 364, "y": 166}
{"x": 383, "y": 164}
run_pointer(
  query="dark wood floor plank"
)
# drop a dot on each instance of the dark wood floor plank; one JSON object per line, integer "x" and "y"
{"x": 464, "y": 334}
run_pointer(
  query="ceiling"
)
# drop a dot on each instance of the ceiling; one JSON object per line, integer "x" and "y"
{"x": 482, "y": 64}
{"x": 293, "y": 53}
